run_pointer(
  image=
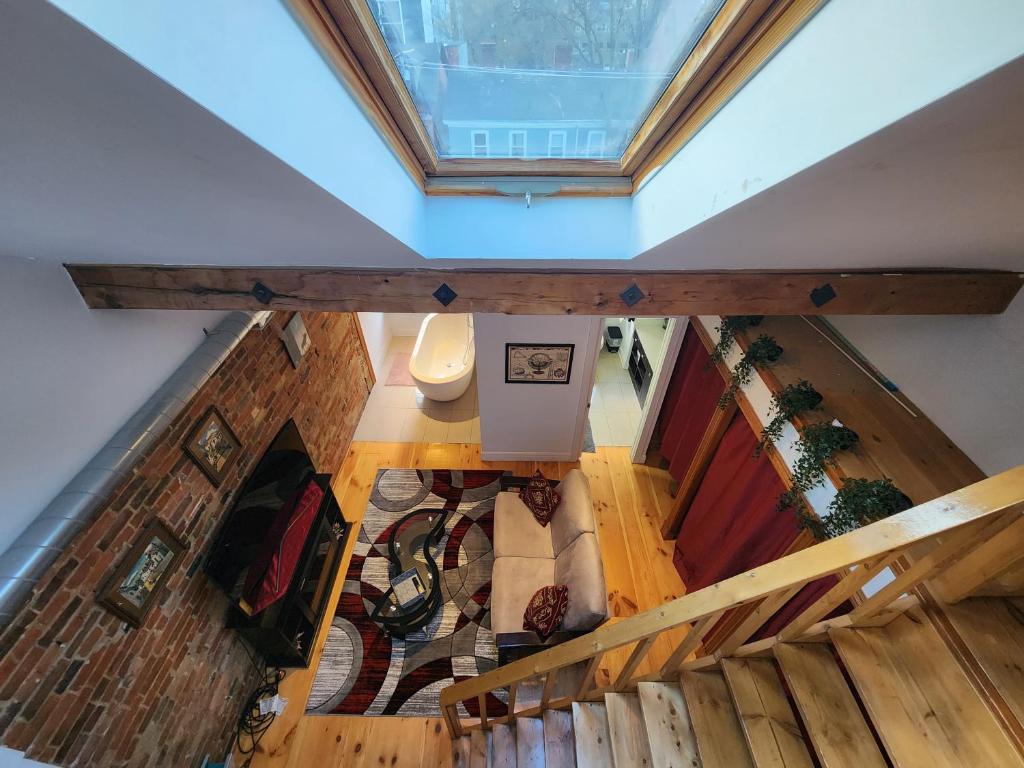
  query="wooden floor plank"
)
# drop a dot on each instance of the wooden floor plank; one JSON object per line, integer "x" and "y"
{"x": 503, "y": 746}
{"x": 768, "y": 720}
{"x": 919, "y": 699}
{"x": 559, "y": 740}
{"x": 720, "y": 740}
{"x": 437, "y": 747}
{"x": 993, "y": 628}
{"x": 593, "y": 745}
{"x": 837, "y": 729}
{"x": 627, "y": 731}
{"x": 640, "y": 558}
{"x": 530, "y": 742}
{"x": 673, "y": 744}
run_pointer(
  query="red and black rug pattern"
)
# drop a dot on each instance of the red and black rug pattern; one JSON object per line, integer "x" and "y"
{"x": 363, "y": 670}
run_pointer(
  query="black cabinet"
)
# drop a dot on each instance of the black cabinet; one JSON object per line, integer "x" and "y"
{"x": 640, "y": 371}
{"x": 284, "y": 632}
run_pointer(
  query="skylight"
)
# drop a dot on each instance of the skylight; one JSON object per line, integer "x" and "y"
{"x": 538, "y": 79}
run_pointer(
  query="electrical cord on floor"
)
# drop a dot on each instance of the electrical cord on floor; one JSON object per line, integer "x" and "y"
{"x": 253, "y": 722}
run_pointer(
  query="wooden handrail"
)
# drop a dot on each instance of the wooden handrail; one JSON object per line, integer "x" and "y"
{"x": 878, "y": 542}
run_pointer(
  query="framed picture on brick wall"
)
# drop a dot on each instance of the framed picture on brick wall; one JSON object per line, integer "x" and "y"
{"x": 212, "y": 445}
{"x": 134, "y": 587}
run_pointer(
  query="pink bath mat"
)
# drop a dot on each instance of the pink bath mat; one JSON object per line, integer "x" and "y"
{"x": 399, "y": 375}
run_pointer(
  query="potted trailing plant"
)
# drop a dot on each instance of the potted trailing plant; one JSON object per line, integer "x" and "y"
{"x": 859, "y": 502}
{"x": 818, "y": 445}
{"x": 794, "y": 399}
{"x": 727, "y": 333}
{"x": 763, "y": 351}
{"x": 816, "y": 449}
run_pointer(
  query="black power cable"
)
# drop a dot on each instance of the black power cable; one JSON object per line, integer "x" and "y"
{"x": 252, "y": 724}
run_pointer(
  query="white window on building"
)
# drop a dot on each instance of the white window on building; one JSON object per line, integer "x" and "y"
{"x": 556, "y": 144}
{"x": 517, "y": 143}
{"x": 595, "y": 143}
{"x": 390, "y": 19}
{"x": 481, "y": 144}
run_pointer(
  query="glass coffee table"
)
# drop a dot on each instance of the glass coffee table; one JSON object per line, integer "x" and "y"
{"x": 409, "y": 547}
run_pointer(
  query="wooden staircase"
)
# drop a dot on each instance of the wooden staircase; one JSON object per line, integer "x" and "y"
{"x": 866, "y": 698}
{"x": 881, "y": 685}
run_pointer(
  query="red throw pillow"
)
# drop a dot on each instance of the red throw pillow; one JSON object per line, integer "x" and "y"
{"x": 541, "y": 499}
{"x": 546, "y": 610}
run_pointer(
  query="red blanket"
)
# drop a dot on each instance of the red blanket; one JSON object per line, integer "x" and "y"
{"x": 271, "y": 572}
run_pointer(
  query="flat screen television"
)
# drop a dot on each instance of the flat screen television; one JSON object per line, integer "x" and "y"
{"x": 277, "y": 553}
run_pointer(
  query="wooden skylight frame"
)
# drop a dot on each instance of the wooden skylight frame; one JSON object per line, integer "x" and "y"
{"x": 740, "y": 39}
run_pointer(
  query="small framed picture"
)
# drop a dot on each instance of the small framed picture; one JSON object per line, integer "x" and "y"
{"x": 538, "y": 363}
{"x": 213, "y": 446}
{"x": 132, "y": 589}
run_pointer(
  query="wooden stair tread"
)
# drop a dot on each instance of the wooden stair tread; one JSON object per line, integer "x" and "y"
{"x": 716, "y": 727}
{"x": 559, "y": 740}
{"x": 479, "y": 749}
{"x": 503, "y": 746}
{"x": 672, "y": 742}
{"x": 994, "y": 630}
{"x": 460, "y": 752}
{"x": 837, "y": 728}
{"x": 921, "y": 702}
{"x": 626, "y": 728}
{"x": 593, "y": 744}
{"x": 769, "y": 723}
{"x": 530, "y": 742}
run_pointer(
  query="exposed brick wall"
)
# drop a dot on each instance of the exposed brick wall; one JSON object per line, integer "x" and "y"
{"x": 76, "y": 688}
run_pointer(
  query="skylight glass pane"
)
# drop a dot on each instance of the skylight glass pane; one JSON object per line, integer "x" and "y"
{"x": 538, "y": 78}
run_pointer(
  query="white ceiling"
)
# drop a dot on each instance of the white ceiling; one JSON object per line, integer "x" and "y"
{"x": 102, "y": 161}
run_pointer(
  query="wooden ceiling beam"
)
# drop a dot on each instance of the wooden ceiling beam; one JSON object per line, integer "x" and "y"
{"x": 547, "y": 292}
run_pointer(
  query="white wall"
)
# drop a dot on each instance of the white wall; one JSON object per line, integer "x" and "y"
{"x": 69, "y": 378}
{"x": 966, "y": 373}
{"x": 533, "y": 421}
{"x": 854, "y": 68}
{"x": 406, "y": 323}
{"x": 253, "y": 66}
{"x": 377, "y": 334}
{"x": 11, "y": 759}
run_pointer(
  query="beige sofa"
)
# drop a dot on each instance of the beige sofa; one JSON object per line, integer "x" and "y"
{"x": 528, "y": 556}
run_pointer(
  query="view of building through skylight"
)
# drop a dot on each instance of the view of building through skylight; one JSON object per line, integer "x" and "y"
{"x": 538, "y": 78}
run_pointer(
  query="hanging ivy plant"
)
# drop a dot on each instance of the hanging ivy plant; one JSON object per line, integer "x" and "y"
{"x": 763, "y": 351}
{"x": 818, "y": 445}
{"x": 859, "y": 502}
{"x": 794, "y": 399}
{"x": 727, "y": 333}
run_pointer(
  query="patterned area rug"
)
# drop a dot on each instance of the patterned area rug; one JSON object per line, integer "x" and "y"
{"x": 362, "y": 670}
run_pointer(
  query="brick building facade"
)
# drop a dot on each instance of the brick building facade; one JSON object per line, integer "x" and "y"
{"x": 80, "y": 688}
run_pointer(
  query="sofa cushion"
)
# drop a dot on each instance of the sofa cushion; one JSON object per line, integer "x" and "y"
{"x": 540, "y": 498}
{"x": 546, "y": 609}
{"x": 575, "y": 514}
{"x": 514, "y": 581}
{"x": 516, "y": 533}
{"x": 579, "y": 567}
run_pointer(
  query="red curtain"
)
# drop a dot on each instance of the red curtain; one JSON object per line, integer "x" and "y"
{"x": 733, "y": 524}
{"x": 690, "y": 402}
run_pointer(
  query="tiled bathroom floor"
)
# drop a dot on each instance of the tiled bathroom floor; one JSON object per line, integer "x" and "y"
{"x": 614, "y": 408}
{"x": 404, "y": 415}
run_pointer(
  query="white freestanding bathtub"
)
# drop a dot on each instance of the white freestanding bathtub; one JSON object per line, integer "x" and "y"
{"x": 442, "y": 360}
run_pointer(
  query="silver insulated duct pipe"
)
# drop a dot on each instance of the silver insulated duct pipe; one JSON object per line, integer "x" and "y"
{"x": 71, "y": 510}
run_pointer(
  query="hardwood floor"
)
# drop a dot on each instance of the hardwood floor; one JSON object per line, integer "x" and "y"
{"x": 629, "y": 503}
